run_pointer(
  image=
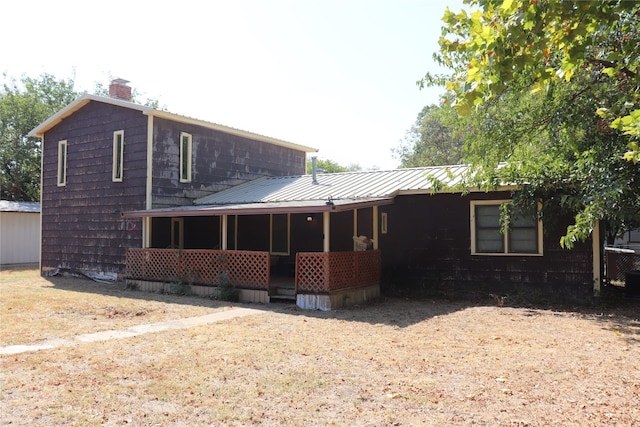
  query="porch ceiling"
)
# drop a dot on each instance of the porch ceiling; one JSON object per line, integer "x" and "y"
{"x": 306, "y": 206}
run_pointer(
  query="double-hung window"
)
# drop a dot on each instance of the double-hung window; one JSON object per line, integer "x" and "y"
{"x": 62, "y": 164}
{"x": 521, "y": 236}
{"x": 118, "y": 156}
{"x": 185, "y": 157}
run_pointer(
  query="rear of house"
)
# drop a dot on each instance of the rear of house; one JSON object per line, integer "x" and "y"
{"x": 105, "y": 156}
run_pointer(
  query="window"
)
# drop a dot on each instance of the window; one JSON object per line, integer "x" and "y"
{"x": 522, "y": 237}
{"x": 280, "y": 234}
{"x": 118, "y": 156}
{"x": 185, "y": 157}
{"x": 62, "y": 163}
{"x": 383, "y": 223}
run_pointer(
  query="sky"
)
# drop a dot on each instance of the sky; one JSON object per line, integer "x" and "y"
{"x": 336, "y": 75}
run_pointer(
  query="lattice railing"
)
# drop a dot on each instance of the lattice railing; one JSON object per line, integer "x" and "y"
{"x": 246, "y": 269}
{"x": 323, "y": 272}
{"x": 619, "y": 262}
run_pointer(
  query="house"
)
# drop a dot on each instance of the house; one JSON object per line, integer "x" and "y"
{"x": 19, "y": 232}
{"x": 166, "y": 200}
{"x": 102, "y": 156}
{"x": 423, "y": 241}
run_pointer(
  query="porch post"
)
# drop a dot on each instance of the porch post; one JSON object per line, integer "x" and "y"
{"x": 223, "y": 245}
{"x": 355, "y": 226}
{"x": 325, "y": 231}
{"x": 595, "y": 246}
{"x": 375, "y": 227}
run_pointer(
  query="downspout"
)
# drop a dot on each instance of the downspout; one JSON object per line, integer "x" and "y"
{"x": 597, "y": 263}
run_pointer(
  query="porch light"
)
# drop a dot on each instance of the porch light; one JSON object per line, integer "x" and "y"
{"x": 309, "y": 218}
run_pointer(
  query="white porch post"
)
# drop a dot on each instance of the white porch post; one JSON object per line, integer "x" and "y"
{"x": 355, "y": 226}
{"x": 223, "y": 245}
{"x": 146, "y": 232}
{"x": 596, "y": 251}
{"x": 375, "y": 227}
{"x": 325, "y": 231}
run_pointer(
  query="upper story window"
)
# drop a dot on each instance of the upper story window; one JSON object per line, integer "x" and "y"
{"x": 522, "y": 236}
{"x": 118, "y": 156}
{"x": 185, "y": 157}
{"x": 62, "y": 164}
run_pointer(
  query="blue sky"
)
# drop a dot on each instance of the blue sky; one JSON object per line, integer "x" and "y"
{"x": 335, "y": 75}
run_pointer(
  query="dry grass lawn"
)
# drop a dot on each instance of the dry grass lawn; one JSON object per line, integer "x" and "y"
{"x": 395, "y": 362}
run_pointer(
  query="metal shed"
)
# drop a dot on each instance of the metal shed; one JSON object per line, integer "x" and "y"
{"x": 19, "y": 232}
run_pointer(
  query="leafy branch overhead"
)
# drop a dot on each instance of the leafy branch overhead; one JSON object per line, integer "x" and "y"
{"x": 549, "y": 41}
{"x": 550, "y": 90}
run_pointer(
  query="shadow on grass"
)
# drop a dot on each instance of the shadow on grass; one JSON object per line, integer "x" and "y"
{"x": 614, "y": 309}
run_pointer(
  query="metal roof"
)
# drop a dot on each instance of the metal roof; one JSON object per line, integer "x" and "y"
{"x": 7, "y": 206}
{"x": 84, "y": 99}
{"x": 330, "y": 192}
{"x": 337, "y": 186}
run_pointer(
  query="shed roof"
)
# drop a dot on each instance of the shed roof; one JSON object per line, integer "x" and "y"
{"x": 336, "y": 186}
{"x": 329, "y": 192}
{"x": 86, "y": 98}
{"x": 31, "y": 207}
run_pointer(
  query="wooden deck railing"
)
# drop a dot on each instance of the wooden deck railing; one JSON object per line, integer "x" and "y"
{"x": 323, "y": 272}
{"x": 246, "y": 269}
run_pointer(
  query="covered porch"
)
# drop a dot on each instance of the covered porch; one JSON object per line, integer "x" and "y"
{"x": 311, "y": 253}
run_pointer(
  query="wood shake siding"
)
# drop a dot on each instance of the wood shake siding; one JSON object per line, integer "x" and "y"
{"x": 219, "y": 161}
{"x": 81, "y": 224}
{"x": 427, "y": 251}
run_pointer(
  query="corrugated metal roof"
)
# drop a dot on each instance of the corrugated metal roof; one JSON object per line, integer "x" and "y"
{"x": 7, "y": 206}
{"x": 304, "y": 206}
{"x": 337, "y": 186}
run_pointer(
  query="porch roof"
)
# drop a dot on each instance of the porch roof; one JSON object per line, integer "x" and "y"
{"x": 304, "y": 206}
{"x": 325, "y": 192}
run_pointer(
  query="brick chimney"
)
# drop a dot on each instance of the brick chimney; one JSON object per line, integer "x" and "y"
{"x": 118, "y": 89}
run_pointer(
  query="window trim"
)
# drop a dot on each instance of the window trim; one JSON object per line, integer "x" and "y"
{"x": 117, "y": 174}
{"x": 505, "y": 236}
{"x": 61, "y": 179}
{"x": 185, "y": 175}
{"x": 271, "y": 251}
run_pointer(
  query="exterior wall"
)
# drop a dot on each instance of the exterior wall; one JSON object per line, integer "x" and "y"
{"x": 82, "y": 228}
{"x": 219, "y": 161}
{"x": 19, "y": 237}
{"x": 427, "y": 251}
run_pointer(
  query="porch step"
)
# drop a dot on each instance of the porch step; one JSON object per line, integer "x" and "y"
{"x": 287, "y": 298}
{"x": 286, "y": 290}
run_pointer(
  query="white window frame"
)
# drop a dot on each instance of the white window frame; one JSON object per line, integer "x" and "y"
{"x": 61, "y": 178}
{"x": 505, "y": 235}
{"x": 177, "y": 233}
{"x": 185, "y": 175}
{"x": 288, "y": 251}
{"x": 118, "y": 156}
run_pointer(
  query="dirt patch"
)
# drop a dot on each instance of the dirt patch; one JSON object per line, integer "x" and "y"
{"x": 396, "y": 362}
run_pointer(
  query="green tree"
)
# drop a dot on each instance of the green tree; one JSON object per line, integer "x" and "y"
{"x": 24, "y": 104}
{"x": 551, "y": 91}
{"x": 435, "y": 139}
{"x": 329, "y": 166}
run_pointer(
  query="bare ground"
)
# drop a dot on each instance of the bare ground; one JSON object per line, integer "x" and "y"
{"x": 395, "y": 362}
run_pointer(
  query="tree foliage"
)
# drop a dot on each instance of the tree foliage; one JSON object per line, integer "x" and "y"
{"x": 330, "y": 166}
{"x": 435, "y": 139}
{"x": 551, "y": 92}
{"x": 24, "y": 104}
